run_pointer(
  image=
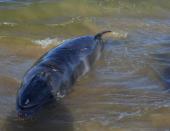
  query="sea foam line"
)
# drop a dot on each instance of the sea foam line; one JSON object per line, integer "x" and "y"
{"x": 55, "y": 41}
{"x": 48, "y": 41}
{"x": 8, "y": 23}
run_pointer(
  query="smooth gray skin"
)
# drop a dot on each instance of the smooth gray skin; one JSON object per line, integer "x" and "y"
{"x": 53, "y": 75}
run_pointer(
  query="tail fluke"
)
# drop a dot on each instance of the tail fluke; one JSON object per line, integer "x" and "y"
{"x": 99, "y": 35}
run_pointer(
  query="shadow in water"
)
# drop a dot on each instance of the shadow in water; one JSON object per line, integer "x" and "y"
{"x": 163, "y": 68}
{"x": 166, "y": 77}
{"x": 54, "y": 117}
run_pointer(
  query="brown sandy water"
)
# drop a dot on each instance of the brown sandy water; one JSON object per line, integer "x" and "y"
{"x": 127, "y": 88}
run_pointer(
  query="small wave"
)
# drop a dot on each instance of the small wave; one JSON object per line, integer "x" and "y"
{"x": 71, "y": 21}
{"x": 8, "y": 24}
{"x": 48, "y": 41}
{"x": 6, "y": 0}
{"x": 119, "y": 35}
{"x": 55, "y": 41}
{"x": 130, "y": 114}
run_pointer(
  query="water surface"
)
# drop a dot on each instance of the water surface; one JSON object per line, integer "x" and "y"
{"x": 127, "y": 89}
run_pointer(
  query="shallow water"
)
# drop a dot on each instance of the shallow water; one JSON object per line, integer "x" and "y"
{"x": 127, "y": 89}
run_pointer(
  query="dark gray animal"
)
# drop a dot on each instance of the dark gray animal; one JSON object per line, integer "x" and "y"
{"x": 53, "y": 75}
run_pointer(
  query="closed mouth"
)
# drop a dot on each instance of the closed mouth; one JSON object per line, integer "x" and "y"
{"x": 27, "y": 112}
{"x": 28, "y": 107}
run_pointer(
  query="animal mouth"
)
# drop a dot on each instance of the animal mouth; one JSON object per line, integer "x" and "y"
{"x": 28, "y": 107}
{"x": 28, "y": 111}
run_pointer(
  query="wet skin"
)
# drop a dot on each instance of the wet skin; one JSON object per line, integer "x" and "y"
{"x": 54, "y": 74}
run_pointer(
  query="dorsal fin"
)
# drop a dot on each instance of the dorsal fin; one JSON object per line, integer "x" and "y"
{"x": 99, "y": 35}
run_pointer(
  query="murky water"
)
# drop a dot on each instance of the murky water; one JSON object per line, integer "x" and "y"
{"x": 127, "y": 90}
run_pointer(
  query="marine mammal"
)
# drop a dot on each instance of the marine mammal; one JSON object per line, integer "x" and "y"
{"x": 55, "y": 73}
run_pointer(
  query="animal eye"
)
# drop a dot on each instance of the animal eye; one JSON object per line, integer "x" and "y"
{"x": 27, "y": 101}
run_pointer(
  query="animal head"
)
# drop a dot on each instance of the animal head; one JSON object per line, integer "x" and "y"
{"x": 33, "y": 94}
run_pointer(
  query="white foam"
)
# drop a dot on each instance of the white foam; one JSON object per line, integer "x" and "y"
{"x": 44, "y": 43}
{"x": 57, "y": 94}
{"x": 120, "y": 35}
{"x": 8, "y": 23}
{"x": 48, "y": 41}
{"x": 86, "y": 66}
{"x": 98, "y": 53}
